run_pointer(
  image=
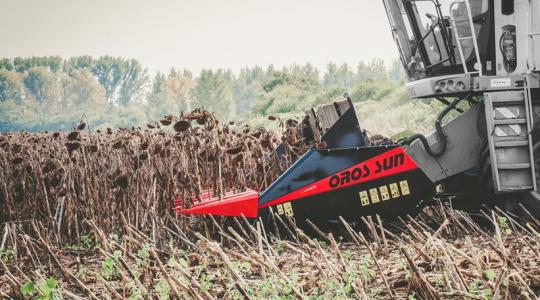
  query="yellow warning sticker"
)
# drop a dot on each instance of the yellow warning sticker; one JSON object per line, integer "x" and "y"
{"x": 280, "y": 210}
{"x": 385, "y": 195}
{"x": 288, "y": 209}
{"x": 384, "y": 192}
{"x": 394, "y": 190}
{"x": 364, "y": 199}
{"x": 374, "y": 195}
{"x": 404, "y": 187}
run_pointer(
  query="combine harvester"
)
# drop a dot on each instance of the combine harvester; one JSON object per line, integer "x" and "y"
{"x": 482, "y": 52}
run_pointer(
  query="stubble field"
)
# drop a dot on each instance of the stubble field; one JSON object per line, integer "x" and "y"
{"x": 88, "y": 214}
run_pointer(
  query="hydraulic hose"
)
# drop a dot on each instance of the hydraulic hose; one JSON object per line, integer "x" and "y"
{"x": 440, "y": 133}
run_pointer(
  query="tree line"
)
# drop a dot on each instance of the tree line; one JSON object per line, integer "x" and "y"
{"x": 50, "y": 93}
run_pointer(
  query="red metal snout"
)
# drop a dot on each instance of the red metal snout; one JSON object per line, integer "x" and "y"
{"x": 231, "y": 204}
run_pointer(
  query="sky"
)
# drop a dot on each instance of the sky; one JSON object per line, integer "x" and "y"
{"x": 197, "y": 34}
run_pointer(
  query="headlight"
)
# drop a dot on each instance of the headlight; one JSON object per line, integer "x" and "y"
{"x": 450, "y": 85}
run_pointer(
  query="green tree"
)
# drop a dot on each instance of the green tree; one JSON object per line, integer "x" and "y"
{"x": 396, "y": 72}
{"x": 53, "y": 63}
{"x": 78, "y": 63}
{"x": 377, "y": 70}
{"x": 292, "y": 88}
{"x": 123, "y": 80}
{"x": 83, "y": 94}
{"x": 171, "y": 94}
{"x": 213, "y": 90}
{"x": 331, "y": 75}
{"x": 13, "y": 113}
{"x": 41, "y": 83}
{"x": 159, "y": 78}
{"x": 362, "y": 72}
{"x": 45, "y": 95}
{"x": 133, "y": 80}
{"x": 108, "y": 71}
{"x": 247, "y": 87}
{"x": 305, "y": 77}
{"x": 6, "y": 64}
{"x": 282, "y": 99}
{"x": 11, "y": 87}
{"x": 342, "y": 76}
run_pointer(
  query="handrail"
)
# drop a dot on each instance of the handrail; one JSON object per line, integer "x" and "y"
{"x": 456, "y": 33}
{"x": 473, "y": 36}
{"x": 530, "y": 126}
{"x": 475, "y": 41}
{"x": 532, "y": 35}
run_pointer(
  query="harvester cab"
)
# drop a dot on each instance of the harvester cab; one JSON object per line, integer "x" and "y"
{"x": 479, "y": 57}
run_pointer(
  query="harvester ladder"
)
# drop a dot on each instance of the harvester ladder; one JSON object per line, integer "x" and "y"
{"x": 459, "y": 38}
{"x": 509, "y": 116}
